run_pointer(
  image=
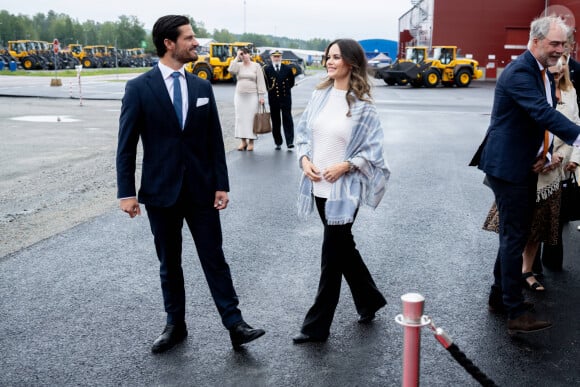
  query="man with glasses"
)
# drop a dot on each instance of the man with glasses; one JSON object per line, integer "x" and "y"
{"x": 515, "y": 148}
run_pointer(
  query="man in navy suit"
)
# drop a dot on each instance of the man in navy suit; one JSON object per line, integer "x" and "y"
{"x": 184, "y": 176}
{"x": 280, "y": 81}
{"x": 514, "y": 151}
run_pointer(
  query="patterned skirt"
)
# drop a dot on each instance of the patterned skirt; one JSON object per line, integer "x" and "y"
{"x": 545, "y": 222}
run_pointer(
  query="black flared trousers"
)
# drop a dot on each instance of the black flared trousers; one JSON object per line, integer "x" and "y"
{"x": 339, "y": 258}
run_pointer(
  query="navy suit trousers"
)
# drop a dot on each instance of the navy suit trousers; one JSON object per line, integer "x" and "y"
{"x": 515, "y": 203}
{"x": 204, "y": 224}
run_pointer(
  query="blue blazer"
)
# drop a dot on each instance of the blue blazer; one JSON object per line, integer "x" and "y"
{"x": 519, "y": 117}
{"x": 171, "y": 156}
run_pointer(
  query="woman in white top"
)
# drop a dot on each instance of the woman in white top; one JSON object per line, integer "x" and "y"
{"x": 250, "y": 91}
{"x": 340, "y": 150}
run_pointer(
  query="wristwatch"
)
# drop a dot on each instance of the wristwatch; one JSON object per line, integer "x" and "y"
{"x": 351, "y": 166}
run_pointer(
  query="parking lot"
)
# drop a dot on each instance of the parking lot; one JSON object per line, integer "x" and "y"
{"x": 81, "y": 302}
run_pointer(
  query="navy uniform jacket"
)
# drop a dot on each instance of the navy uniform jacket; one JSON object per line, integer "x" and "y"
{"x": 279, "y": 85}
{"x": 171, "y": 156}
{"x": 519, "y": 117}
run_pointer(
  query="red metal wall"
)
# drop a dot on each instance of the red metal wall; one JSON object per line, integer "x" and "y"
{"x": 483, "y": 28}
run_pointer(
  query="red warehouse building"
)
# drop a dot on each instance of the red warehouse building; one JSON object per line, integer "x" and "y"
{"x": 493, "y": 32}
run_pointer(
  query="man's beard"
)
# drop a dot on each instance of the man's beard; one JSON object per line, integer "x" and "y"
{"x": 186, "y": 58}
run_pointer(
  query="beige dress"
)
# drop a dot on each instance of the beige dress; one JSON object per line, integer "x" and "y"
{"x": 250, "y": 85}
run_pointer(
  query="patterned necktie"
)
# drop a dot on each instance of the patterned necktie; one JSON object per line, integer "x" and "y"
{"x": 546, "y": 133}
{"x": 177, "y": 102}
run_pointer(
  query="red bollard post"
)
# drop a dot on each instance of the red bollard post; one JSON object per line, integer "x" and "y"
{"x": 413, "y": 320}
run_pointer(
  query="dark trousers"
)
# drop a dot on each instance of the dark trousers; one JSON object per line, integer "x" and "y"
{"x": 553, "y": 255}
{"x": 550, "y": 256}
{"x": 515, "y": 203}
{"x": 339, "y": 258}
{"x": 204, "y": 224}
{"x": 286, "y": 113}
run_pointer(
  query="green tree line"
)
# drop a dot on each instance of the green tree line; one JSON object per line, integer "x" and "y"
{"x": 126, "y": 32}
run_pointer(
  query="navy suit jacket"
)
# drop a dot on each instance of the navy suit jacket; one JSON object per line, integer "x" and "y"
{"x": 171, "y": 156}
{"x": 519, "y": 117}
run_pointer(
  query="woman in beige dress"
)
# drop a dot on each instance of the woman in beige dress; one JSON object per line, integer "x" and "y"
{"x": 249, "y": 95}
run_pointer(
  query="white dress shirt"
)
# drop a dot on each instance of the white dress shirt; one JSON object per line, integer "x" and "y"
{"x": 166, "y": 73}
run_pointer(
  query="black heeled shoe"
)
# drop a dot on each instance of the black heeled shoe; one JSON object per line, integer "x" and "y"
{"x": 368, "y": 317}
{"x": 302, "y": 338}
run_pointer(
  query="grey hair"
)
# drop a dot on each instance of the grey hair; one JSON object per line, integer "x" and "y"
{"x": 540, "y": 27}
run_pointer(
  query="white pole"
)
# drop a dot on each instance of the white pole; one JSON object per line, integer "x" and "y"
{"x": 79, "y": 69}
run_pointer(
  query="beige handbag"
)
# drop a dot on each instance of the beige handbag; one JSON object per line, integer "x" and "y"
{"x": 262, "y": 122}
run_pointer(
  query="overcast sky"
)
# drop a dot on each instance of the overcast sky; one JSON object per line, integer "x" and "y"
{"x": 302, "y": 19}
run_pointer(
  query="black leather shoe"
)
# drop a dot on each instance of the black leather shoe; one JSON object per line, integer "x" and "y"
{"x": 278, "y": 147}
{"x": 171, "y": 336}
{"x": 242, "y": 333}
{"x": 304, "y": 338}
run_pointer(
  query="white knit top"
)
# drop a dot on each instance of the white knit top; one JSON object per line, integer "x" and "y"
{"x": 331, "y": 132}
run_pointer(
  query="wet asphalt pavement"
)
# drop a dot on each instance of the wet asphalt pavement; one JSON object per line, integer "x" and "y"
{"x": 82, "y": 307}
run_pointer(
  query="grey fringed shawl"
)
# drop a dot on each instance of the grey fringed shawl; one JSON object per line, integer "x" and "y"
{"x": 365, "y": 149}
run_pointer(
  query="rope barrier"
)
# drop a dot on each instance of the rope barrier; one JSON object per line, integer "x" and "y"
{"x": 413, "y": 320}
{"x": 460, "y": 357}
